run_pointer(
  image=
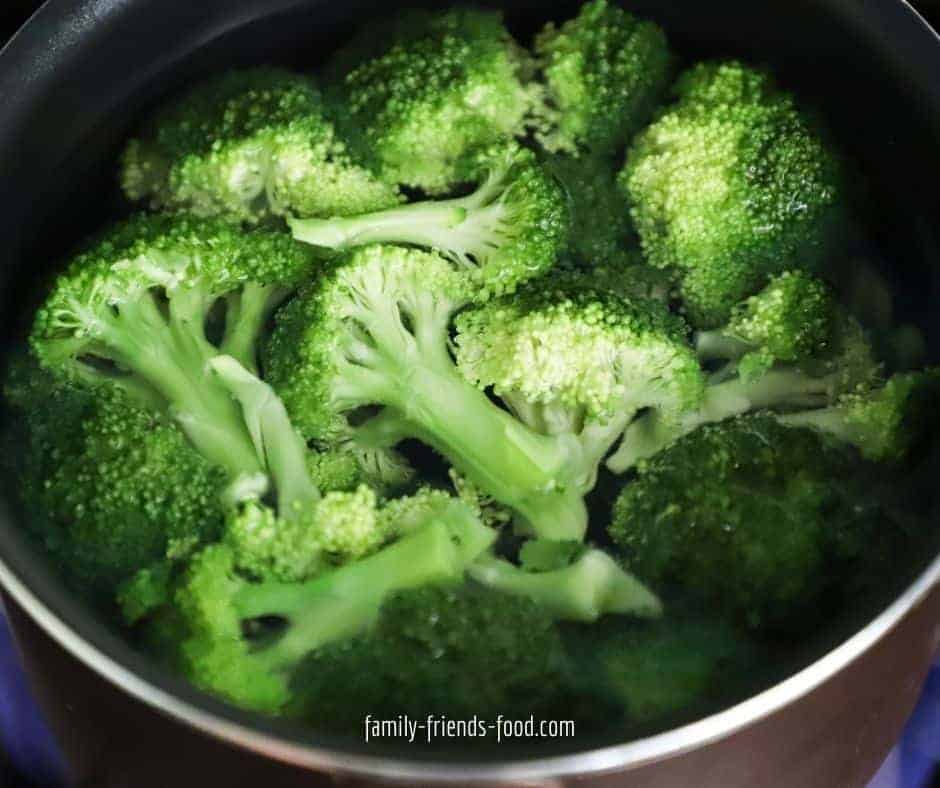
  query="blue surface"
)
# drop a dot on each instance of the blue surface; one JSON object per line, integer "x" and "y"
{"x": 31, "y": 751}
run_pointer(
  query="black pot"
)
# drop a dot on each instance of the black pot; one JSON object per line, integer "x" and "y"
{"x": 73, "y": 82}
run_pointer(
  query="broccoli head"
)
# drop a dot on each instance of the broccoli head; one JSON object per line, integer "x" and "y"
{"x": 603, "y": 73}
{"x": 132, "y": 312}
{"x": 110, "y": 488}
{"x": 739, "y": 515}
{"x": 663, "y": 672}
{"x": 229, "y": 647}
{"x": 247, "y": 145}
{"x": 731, "y": 184}
{"x": 570, "y": 360}
{"x": 790, "y": 348}
{"x": 372, "y": 332}
{"x": 602, "y": 234}
{"x": 454, "y": 650}
{"x": 511, "y": 228}
{"x": 426, "y": 88}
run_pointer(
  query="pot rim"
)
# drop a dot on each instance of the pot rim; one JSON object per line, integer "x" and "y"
{"x": 629, "y": 755}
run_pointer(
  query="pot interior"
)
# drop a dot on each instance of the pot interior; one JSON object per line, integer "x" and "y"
{"x": 860, "y": 67}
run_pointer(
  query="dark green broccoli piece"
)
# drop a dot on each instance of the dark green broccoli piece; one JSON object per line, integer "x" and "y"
{"x": 728, "y": 186}
{"x": 602, "y": 234}
{"x": 882, "y": 422}
{"x": 740, "y": 515}
{"x": 511, "y": 228}
{"x": 663, "y": 672}
{"x": 459, "y": 651}
{"x": 229, "y": 648}
{"x": 603, "y": 72}
{"x": 423, "y": 89}
{"x": 249, "y": 144}
{"x": 110, "y": 488}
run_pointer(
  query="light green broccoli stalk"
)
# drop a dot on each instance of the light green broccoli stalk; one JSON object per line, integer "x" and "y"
{"x": 423, "y": 89}
{"x": 603, "y": 72}
{"x": 227, "y": 649}
{"x": 789, "y": 348}
{"x": 247, "y": 145}
{"x": 132, "y": 312}
{"x": 573, "y": 362}
{"x": 883, "y": 422}
{"x": 511, "y": 228}
{"x": 730, "y": 185}
{"x": 374, "y": 331}
{"x": 593, "y": 585}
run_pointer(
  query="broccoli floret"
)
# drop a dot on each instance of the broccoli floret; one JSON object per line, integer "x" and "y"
{"x": 373, "y": 332}
{"x": 604, "y": 72}
{"x": 423, "y": 89}
{"x": 789, "y": 348}
{"x": 125, "y": 491}
{"x": 663, "y": 672}
{"x": 229, "y": 649}
{"x": 739, "y": 516}
{"x": 458, "y": 651}
{"x": 131, "y": 312}
{"x": 728, "y": 186}
{"x": 147, "y": 590}
{"x": 512, "y": 228}
{"x": 791, "y": 319}
{"x": 602, "y": 234}
{"x": 882, "y": 422}
{"x": 577, "y": 362}
{"x": 247, "y": 145}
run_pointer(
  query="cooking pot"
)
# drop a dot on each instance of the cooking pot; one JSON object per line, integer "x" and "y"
{"x": 72, "y": 84}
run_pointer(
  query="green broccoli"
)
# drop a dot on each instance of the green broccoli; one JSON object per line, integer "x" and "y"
{"x": 602, "y": 234}
{"x": 425, "y": 88}
{"x": 247, "y": 145}
{"x": 740, "y": 516}
{"x": 373, "y": 331}
{"x": 110, "y": 488}
{"x": 229, "y": 649}
{"x": 510, "y": 229}
{"x": 662, "y": 672}
{"x": 459, "y": 651}
{"x": 573, "y": 361}
{"x": 883, "y": 422}
{"x": 131, "y": 312}
{"x": 728, "y": 186}
{"x": 789, "y": 348}
{"x": 603, "y": 73}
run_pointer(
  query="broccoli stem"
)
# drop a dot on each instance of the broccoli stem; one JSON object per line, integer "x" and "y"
{"x": 593, "y": 586}
{"x": 343, "y": 602}
{"x": 532, "y": 473}
{"x": 277, "y": 443}
{"x": 421, "y": 223}
{"x": 650, "y": 433}
{"x": 170, "y": 354}
{"x": 711, "y": 345}
{"x": 246, "y": 312}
